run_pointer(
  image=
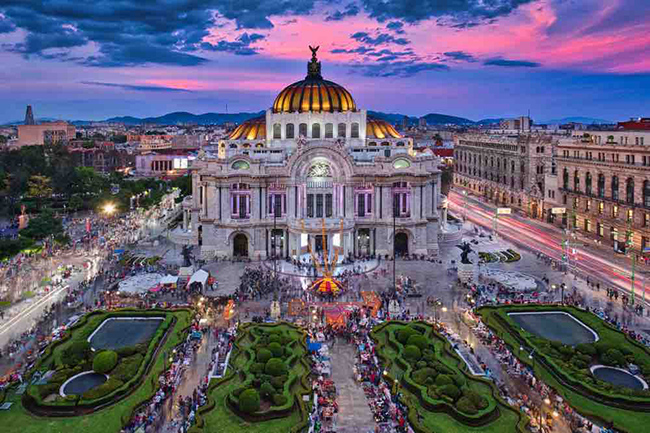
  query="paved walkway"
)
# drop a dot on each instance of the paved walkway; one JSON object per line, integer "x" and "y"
{"x": 354, "y": 413}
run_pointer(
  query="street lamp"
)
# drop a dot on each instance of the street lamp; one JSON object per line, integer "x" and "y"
{"x": 109, "y": 208}
{"x": 562, "y": 287}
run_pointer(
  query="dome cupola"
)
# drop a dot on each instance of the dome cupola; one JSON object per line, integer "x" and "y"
{"x": 314, "y": 94}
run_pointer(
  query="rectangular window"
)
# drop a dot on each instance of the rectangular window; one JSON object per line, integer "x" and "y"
{"x": 588, "y": 226}
{"x": 601, "y": 207}
{"x": 630, "y": 215}
{"x": 310, "y": 205}
{"x": 646, "y": 220}
{"x": 601, "y": 230}
{"x": 328, "y": 206}
{"x": 576, "y": 202}
{"x": 319, "y": 205}
{"x": 615, "y": 211}
{"x": 613, "y": 233}
{"x": 588, "y": 205}
{"x": 644, "y": 243}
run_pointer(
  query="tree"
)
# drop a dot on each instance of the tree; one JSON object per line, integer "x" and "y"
{"x": 75, "y": 203}
{"x": 42, "y": 226}
{"x": 39, "y": 187}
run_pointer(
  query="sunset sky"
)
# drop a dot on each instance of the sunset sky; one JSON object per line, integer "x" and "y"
{"x": 470, "y": 58}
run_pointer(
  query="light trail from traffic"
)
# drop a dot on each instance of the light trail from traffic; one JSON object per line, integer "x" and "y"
{"x": 546, "y": 242}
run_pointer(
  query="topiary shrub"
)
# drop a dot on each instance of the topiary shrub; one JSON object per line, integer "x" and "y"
{"x": 478, "y": 400}
{"x": 412, "y": 353}
{"x": 465, "y": 405}
{"x": 586, "y": 349}
{"x": 76, "y": 352}
{"x": 279, "y": 399}
{"x": 451, "y": 391}
{"x": 127, "y": 368}
{"x": 264, "y": 355}
{"x": 417, "y": 340}
{"x": 404, "y": 334}
{"x": 249, "y": 401}
{"x": 275, "y": 338}
{"x": 257, "y": 368}
{"x": 104, "y": 389}
{"x": 459, "y": 380}
{"x": 420, "y": 376}
{"x": 275, "y": 367}
{"x": 104, "y": 361}
{"x": 278, "y": 382}
{"x": 276, "y": 349}
{"x": 613, "y": 357}
{"x": 444, "y": 379}
{"x": 267, "y": 390}
{"x": 125, "y": 352}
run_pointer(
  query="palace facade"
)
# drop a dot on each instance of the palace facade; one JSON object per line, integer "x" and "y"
{"x": 313, "y": 171}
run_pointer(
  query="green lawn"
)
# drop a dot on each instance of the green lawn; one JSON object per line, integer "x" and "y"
{"x": 508, "y": 420}
{"x": 631, "y": 421}
{"x": 108, "y": 420}
{"x": 221, "y": 418}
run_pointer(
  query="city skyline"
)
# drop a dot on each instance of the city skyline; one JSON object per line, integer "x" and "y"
{"x": 469, "y": 59}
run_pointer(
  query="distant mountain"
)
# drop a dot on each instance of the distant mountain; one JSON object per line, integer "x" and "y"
{"x": 577, "y": 119}
{"x": 394, "y": 118}
{"x": 184, "y": 117}
{"x": 38, "y": 120}
{"x": 444, "y": 119}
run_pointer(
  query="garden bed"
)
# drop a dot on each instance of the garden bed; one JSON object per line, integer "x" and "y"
{"x": 104, "y": 410}
{"x": 436, "y": 384}
{"x": 567, "y": 367}
{"x": 264, "y": 391}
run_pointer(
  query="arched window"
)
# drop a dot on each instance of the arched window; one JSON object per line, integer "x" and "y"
{"x": 614, "y": 187}
{"x": 588, "y": 183}
{"x": 329, "y": 130}
{"x": 259, "y": 145}
{"x": 354, "y": 133}
{"x": 277, "y": 131}
{"x": 565, "y": 179}
{"x": 629, "y": 190}
{"x": 400, "y": 143}
{"x": 342, "y": 130}
{"x": 601, "y": 185}
{"x": 576, "y": 181}
{"x": 302, "y": 130}
{"x": 290, "y": 131}
{"x": 233, "y": 146}
{"x": 646, "y": 193}
{"x": 372, "y": 143}
{"x": 315, "y": 130}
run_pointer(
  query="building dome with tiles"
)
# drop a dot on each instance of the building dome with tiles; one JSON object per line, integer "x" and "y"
{"x": 252, "y": 129}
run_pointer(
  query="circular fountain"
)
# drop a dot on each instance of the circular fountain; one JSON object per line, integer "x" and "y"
{"x": 81, "y": 383}
{"x": 618, "y": 376}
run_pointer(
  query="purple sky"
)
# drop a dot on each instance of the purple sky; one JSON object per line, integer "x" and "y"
{"x": 471, "y": 58}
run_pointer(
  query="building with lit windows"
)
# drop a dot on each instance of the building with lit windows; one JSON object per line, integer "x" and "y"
{"x": 604, "y": 180}
{"x": 313, "y": 171}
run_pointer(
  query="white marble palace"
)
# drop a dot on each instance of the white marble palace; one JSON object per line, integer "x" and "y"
{"x": 313, "y": 159}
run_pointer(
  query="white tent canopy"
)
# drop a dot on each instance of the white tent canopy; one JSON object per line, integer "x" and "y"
{"x": 199, "y": 276}
{"x": 139, "y": 283}
{"x": 186, "y": 271}
{"x": 169, "y": 279}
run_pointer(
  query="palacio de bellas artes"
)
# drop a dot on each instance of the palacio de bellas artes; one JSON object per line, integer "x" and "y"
{"x": 314, "y": 160}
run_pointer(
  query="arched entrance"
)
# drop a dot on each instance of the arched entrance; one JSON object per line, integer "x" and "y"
{"x": 401, "y": 244}
{"x": 240, "y": 245}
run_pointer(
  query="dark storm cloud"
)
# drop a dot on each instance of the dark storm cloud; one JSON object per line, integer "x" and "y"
{"x": 512, "y": 63}
{"x": 6, "y": 26}
{"x": 460, "y": 56}
{"x": 135, "y": 87}
{"x": 460, "y": 11}
{"x": 397, "y": 69}
{"x": 349, "y": 11}
{"x": 135, "y": 32}
{"x": 240, "y": 46}
{"x": 396, "y": 27}
{"x": 380, "y": 39}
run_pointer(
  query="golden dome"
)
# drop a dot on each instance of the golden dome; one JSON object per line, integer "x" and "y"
{"x": 252, "y": 129}
{"x": 377, "y": 128}
{"x": 313, "y": 93}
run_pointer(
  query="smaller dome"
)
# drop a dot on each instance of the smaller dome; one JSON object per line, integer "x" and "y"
{"x": 377, "y": 128}
{"x": 252, "y": 129}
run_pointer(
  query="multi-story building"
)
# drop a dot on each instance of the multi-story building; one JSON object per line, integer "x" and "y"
{"x": 509, "y": 170}
{"x": 313, "y": 171}
{"x": 604, "y": 177}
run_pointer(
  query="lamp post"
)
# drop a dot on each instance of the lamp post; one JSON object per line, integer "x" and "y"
{"x": 395, "y": 211}
{"x": 562, "y": 287}
{"x": 465, "y": 205}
